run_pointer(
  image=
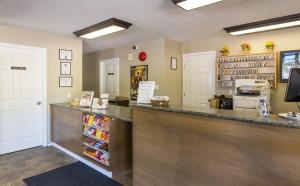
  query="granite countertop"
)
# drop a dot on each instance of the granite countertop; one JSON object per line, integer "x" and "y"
{"x": 118, "y": 112}
{"x": 248, "y": 117}
{"x": 124, "y": 113}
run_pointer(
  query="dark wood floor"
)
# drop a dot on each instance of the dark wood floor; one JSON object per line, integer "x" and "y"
{"x": 16, "y": 166}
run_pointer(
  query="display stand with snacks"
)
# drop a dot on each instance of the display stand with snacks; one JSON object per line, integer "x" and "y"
{"x": 105, "y": 141}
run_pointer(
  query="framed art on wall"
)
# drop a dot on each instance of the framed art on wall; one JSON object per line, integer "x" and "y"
{"x": 65, "y": 68}
{"x": 86, "y": 99}
{"x": 173, "y": 63}
{"x": 65, "y": 81}
{"x": 65, "y": 54}
{"x": 288, "y": 59}
{"x": 137, "y": 74}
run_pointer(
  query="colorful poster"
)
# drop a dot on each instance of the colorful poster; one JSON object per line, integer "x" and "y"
{"x": 137, "y": 74}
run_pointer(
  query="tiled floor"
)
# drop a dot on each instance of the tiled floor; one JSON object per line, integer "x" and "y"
{"x": 16, "y": 166}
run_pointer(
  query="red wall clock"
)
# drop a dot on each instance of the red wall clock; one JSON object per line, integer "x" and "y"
{"x": 143, "y": 56}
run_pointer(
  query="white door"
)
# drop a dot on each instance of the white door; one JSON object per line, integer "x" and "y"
{"x": 198, "y": 78}
{"x": 21, "y": 89}
{"x": 109, "y": 77}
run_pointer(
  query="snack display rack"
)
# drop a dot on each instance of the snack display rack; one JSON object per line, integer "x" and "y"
{"x": 95, "y": 137}
{"x": 261, "y": 66}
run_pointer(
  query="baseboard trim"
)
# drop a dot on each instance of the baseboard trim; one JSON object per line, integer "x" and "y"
{"x": 88, "y": 163}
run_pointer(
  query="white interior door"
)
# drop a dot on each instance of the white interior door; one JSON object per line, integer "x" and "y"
{"x": 198, "y": 78}
{"x": 21, "y": 90}
{"x": 109, "y": 77}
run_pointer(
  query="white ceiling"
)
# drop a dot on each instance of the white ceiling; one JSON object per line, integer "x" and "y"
{"x": 150, "y": 18}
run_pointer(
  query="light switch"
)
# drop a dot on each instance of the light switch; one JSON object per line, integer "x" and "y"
{"x": 130, "y": 57}
{"x": 156, "y": 87}
{"x": 69, "y": 95}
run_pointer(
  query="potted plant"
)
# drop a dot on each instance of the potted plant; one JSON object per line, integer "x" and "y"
{"x": 246, "y": 48}
{"x": 224, "y": 51}
{"x": 270, "y": 46}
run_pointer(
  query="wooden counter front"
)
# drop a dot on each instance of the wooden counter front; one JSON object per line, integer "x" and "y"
{"x": 173, "y": 149}
{"x": 67, "y": 128}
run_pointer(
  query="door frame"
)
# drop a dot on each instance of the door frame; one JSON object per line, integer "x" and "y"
{"x": 213, "y": 65}
{"x": 117, "y": 60}
{"x": 45, "y": 124}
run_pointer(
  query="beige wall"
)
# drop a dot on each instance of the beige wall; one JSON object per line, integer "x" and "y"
{"x": 170, "y": 82}
{"x": 90, "y": 74}
{"x": 173, "y": 77}
{"x": 52, "y": 42}
{"x": 288, "y": 39}
{"x": 157, "y": 61}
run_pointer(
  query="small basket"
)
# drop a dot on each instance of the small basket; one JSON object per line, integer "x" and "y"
{"x": 159, "y": 103}
{"x": 74, "y": 103}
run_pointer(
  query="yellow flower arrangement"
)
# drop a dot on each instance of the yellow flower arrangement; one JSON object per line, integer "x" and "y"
{"x": 246, "y": 47}
{"x": 225, "y": 51}
{"x": 270, "y": 45}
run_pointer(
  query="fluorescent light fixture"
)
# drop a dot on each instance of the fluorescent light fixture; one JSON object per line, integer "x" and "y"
{"x": 102, "y": 32}
{"x": 104, "y": 28}
{"x": 192, "y": 4}
{"x": 265, "y": 25}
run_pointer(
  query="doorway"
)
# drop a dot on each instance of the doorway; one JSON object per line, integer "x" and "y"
{"x": 23, "y": 98}
{"x": 109, "y": 77}
{"x": 198, "y": 78}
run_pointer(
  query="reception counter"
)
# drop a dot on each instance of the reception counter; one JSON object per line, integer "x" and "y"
{"x": 188, "y": 145}
{"x": 203, "y": 146}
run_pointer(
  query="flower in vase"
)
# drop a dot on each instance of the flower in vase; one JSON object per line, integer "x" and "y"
{"x": 225, "y": 51}
{"x": 246, "y": 47}
{"x": 270, "y": 45}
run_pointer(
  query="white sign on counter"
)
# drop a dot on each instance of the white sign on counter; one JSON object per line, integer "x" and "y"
{"x": 146, "y": 91}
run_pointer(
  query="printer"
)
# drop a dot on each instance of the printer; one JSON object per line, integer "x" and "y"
{"x": 248, "y": 92}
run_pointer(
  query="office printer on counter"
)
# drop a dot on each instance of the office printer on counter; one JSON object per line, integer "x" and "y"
{"x": 248, "y": 92}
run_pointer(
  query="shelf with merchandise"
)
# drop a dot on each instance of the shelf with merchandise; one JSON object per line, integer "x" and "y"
{"x": 261, "y": 66}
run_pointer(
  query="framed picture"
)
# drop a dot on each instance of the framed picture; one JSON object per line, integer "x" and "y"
{"x": 173, "y": 63}
{"x": 137, "y": 74}
{"x": 86, "y": 99}
{"x": 65, "y": 81}
{"x": 288, "y": 59}
{"x": 65, "y": 68}
{"x": 65, "y": 54}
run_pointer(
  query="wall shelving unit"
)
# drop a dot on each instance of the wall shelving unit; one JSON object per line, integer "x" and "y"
{"x": 262, "y": 66}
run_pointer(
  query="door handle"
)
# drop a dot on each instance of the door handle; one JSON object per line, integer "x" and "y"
{"x": 38, "y": 103}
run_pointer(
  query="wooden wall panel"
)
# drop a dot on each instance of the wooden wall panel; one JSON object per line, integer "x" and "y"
{"x": 177, "y": 149}
{"x": 120, "y": 147}
{"x": 66, "y": 129}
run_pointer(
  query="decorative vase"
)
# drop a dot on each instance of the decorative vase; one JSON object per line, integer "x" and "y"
{"x": 246, "y": 48}
{"x": 270, "y": 48}
{"x": 245, "y": 51}
{"x": 225, "y": 53}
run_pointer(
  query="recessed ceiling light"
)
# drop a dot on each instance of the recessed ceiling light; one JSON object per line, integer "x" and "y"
{"x": 192, "y": 4}
{"x": 104, "y": 28}
{"x": 265, "y": 25}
